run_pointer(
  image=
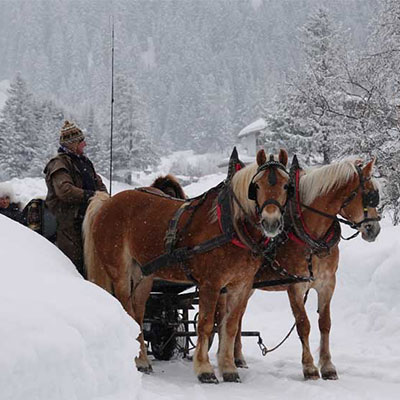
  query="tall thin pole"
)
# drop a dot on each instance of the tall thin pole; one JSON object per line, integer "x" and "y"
{"x": 112, "y": 100}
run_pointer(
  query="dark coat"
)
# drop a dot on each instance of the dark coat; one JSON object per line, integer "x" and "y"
{"x": 71, "y": 180}
{"x": 13, "y": 211}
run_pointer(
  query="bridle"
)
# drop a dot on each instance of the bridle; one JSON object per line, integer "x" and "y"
{"x": 369, "y": 198}
{"x": 272, "y": 166}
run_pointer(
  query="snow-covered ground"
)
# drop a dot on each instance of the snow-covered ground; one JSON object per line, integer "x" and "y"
{"x": 63, "y": 338}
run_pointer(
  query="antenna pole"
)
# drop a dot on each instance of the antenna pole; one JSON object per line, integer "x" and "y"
{"x": 112, "y": 101}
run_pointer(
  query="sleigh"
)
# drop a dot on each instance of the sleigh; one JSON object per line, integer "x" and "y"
{"x": 170, "y": 320}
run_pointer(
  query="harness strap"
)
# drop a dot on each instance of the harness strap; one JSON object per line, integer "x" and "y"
{"x": 181, "y": 254}
{"x": 279, "y": 282}
{"x": 171, "y": 235}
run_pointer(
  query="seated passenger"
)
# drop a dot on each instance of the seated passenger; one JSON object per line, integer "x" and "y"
{"x": 8, "y": 204}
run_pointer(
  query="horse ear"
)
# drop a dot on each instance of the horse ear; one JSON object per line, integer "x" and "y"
{"x": 261, "y": 157}
{"x": 367, "y": 170}
{"x": 283, "y": 157}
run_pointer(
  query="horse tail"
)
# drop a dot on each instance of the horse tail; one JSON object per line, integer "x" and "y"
{"x": 94, "y": 268}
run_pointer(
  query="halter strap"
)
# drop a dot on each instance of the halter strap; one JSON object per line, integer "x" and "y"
{"x": 272, "y": 165}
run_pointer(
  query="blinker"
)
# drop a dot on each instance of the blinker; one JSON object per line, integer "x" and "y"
{"x": 371, "y": 199}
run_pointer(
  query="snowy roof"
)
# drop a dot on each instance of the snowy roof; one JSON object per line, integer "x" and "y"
{"x": 253, "y": 127}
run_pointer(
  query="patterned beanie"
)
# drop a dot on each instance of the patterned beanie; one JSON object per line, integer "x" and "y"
{"x": 70, "y": 133}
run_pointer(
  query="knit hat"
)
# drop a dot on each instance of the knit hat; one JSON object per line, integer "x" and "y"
{"x": 70, "y": 133}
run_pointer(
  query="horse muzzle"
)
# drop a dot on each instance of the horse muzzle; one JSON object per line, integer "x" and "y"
{"x": 370, "y": 230}
{"x": 272, "y": 226}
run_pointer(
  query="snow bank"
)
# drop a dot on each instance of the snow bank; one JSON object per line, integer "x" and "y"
{"x": 61, "y": 337}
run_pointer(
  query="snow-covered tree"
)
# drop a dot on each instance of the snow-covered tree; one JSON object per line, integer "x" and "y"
{"x": 378, "y": 80}
{"x": 97, "y": 145}
{"x": 18, "y": 130}
{"x": 319, "y": 86}
{"x": 132, "y": 147}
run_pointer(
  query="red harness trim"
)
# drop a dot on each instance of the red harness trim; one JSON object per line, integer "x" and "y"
{"x": 296, "y": 239}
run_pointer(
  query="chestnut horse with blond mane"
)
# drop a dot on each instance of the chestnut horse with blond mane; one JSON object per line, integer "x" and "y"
{"x": 345, "y": 188}
{"x": 125, "y": 233}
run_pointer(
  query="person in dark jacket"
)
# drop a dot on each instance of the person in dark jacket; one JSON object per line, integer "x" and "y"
{"x": 8, "y": 205}
{"x": 71, "y": 181}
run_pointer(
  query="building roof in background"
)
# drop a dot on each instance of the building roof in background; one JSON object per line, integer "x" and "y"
{"x": 255, "y": 126}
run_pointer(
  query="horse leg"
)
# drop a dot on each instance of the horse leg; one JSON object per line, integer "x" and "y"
{"x": 220, "y": 314}
{"x": 140, "y": 295}
{"x": 208, "y": 297}
{"x": 296, "y": 296}
{"x": 240, "y": 361}
{"x": 236, "y": 306}
{"x": 133, "y": 298}
{"x": 328, "y": 370}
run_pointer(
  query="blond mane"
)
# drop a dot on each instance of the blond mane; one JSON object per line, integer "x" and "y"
{"x": 318, "y": 181}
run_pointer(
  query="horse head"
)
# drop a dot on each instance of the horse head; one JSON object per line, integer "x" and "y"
{"x": 360, "y": 205}
{"x": 262, "y": 190}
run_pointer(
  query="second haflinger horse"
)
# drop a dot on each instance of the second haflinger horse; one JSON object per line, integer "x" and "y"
{"x": 140, "y": 235}
{"x": 345, "y": 188}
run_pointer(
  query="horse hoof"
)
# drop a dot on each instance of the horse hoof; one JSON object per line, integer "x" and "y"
{"x": 330, "y": 375}
{"x": 145, "y": 370}
{"x": 240, "y": 363}
{"x": 231, "y": 377}
{"x": 207, "y": 377}
{"x": 312, "y": 375}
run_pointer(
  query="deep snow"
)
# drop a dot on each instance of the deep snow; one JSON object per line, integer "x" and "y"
{"x": 63, "y": 338}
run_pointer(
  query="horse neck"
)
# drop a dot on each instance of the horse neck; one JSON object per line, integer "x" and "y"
{"x": 329, "y": 203}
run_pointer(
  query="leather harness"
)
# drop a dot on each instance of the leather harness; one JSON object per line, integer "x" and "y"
{"x": 295, "y": 229}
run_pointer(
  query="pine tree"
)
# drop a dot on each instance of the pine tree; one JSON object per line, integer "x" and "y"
{"x": 133, "y": 147}
{"x": 97, "y": 149}
{"x": 320, "y": 87}
{"x": 19, "y": 131}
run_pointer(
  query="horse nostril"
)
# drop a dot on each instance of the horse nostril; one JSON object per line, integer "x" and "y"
{"x": 271, "y": 226}
{"x": 368, "y": 228}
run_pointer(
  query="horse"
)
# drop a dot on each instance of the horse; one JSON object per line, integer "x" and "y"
{"x": 125, "y": 234}
{"x": 345, "y": 188}
{"x": 169, "y": 185}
